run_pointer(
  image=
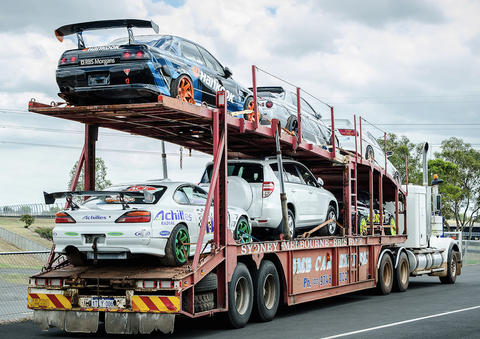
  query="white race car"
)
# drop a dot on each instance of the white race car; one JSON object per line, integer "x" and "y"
{"x": 160, "y": 218}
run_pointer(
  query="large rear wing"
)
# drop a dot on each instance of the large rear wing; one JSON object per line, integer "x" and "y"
{"x": 79, "y": 28}
{"x": 51, "y": 197}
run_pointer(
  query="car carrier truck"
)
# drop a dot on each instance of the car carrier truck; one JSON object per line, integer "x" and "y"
{"x": 250, "y": 279}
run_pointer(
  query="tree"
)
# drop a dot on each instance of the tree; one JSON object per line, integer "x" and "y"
{"x": 100, "y": 176}
{"x": 402, "y": 147}
{"x": 465, "y": 199}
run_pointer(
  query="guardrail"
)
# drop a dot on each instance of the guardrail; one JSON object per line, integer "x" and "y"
{"x": 35, "y": 210}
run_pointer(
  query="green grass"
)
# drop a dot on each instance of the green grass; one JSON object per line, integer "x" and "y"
{"x": 16, "y": 226}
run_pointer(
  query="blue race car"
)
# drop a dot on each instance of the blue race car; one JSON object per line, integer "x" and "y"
{"x": 139, "y": 69}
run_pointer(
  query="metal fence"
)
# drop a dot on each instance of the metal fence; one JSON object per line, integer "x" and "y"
{"x": 15, "y": 269}
{"x": 21, "y": 242}
{"x": 36, "y": 210}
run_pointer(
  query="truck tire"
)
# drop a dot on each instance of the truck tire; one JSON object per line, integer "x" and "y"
{"x": 402, "y": 274}
{"x": 331, "y": 228}
{"x": 182, "y": 87}
{"x": 202, "y": 302}
{"x": 266, "y": 285}
{"x": 451, "y": 276}
{"x": 243, "y": 230}
{"x": 240, "y": 296}
{"x": 209, "y": 283}
{"x": 174, "y": 254}
{"x": 385, "y": 275}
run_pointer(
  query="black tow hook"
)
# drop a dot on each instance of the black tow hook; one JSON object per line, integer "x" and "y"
{"x": 94, "y": 247}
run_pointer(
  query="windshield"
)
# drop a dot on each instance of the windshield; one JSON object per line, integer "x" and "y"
{"x": 112, "y": 199}
{"x": 248, "y": 171}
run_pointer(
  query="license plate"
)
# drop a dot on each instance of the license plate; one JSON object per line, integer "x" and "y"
{"x": 103, "y": 302}
{"x": 92, "y": 62}
{"x": 90, "y": 238}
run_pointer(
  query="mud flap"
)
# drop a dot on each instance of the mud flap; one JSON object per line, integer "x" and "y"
{"x": 70, "y": 321}
{"x": 133, "y": 323}
{"x": 49, "y": 319}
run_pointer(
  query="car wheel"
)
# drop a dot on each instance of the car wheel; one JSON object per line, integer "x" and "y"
{"x": 242, "y": 230}
{"x": 182, "y": 88}
{"x": 330, "y": 229}
{"x": 176, "y": 252}
{"x": 392, "y": 230}
{"x": 76, "y": 258}
{"x": 292, "y": 124}
{"x": 291, "y": 224}
{"x": 249, "y": 105}
{"x": 396, "y": 177}
{"x": 362, "y": 224}
{"x": 369, "y": 153}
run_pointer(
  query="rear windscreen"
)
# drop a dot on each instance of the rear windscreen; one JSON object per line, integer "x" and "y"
{"x": 109, "y": 199}
{"x": 249, "y": 172}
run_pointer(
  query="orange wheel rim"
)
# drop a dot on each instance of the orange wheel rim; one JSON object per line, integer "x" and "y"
{"x": 185, "y": 90}
{"x": 251, "y": 106}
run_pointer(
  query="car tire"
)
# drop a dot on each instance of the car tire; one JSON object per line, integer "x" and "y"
{"x": 249, "y": 105}
{"x": 174, "y": 254}
{"x": 291, "y": 224}
{"x": 396, "y": 177}
{"x": 182, "y": 88}
{"x": 331, "y": 228}
{"x": 77, "y": 258}
{"x": 243, "y": 231}
{"x": 369, "y": 153}
{"x": 292, "y": 124}
{"x": 392, "y": 230}
{"x": 362, "y": 224}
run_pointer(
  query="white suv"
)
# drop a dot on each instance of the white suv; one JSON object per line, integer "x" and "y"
{"x": 254, "y": 185}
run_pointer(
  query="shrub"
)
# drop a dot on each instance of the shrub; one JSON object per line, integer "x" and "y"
{"x": 45, "y": 233}
{"x": 27, "y": 219}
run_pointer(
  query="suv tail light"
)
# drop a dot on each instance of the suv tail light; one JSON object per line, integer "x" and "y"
{"x": 267, "y": 188}
{"x": 68, "y": 60}
{"x": 136, "y": 216}
{"x": 348, "y": 132}
{"x": 62, "y": 218}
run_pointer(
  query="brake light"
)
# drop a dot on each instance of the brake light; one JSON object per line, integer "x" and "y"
{"x": 348, "y": 132}
{"x": 136, "y": 216}
{"x": 269, "y": 104}
{"x": 68, "y": 60}
{"x": 126, "y": 55}
{"x": 63, "y": 218}
{"x": 267, "y": 188}
{"x": 139, "y": 54}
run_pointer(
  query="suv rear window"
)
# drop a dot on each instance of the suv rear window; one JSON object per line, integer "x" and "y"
{"x": 249, "y": 172}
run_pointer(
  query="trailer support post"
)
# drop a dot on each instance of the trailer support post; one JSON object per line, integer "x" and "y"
{"x": 91, "y": 137}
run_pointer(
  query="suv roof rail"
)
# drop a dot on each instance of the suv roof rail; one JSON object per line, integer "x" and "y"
{"x": 275, "y": 157}
{"x": 166, "y": 179}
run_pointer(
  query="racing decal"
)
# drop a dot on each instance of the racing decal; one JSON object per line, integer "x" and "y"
{"x": 127, "y": 71}
{"x": 144, "y": 234}
{"x": 71, "y": 234}
{"x": 140, "y": 188}
{"x": 209, "y": 228}
{"x": 90, "y": 62}
{"x": 116, "y": 198}
{"x": 260, "y": 248}
{"x": 164, "y": 233}
{"x": 115, "y": 234}
{"x": 155, "y": 304}
{"x": 54, "y": 234}
{"x": 101, "y": 48}
{"x": 48, "y": 301}
{"x": 171, "y": 217}
{"x": 94, "y": 217}
{"x": 213, "y": 83}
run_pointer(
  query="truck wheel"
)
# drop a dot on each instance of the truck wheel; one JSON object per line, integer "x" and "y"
{"x": 242, "y": 230}
{"x": 369, "y": 154}
{"x": 202, "y": 302}
{"x": 266, "y": 291}
{"x": 385, "y": 275}
{"x": 402, "y": 274}
{"x": 182, "y": 87}
{"x": 240, "y": 296}
{"x": 209, "y": 283}
{"x": 331, "y": 228}
{"x": 451, "y": 269}
{"x": 174, "y": 253}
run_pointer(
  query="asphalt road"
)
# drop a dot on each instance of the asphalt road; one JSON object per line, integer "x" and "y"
{"x": 428, "y": 309}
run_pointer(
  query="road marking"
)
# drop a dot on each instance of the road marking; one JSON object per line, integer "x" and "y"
{"x": 400, "y": 323}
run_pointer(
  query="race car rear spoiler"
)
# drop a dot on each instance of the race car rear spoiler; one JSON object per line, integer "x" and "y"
{"x": 103, "y": 24}
{"x": 51, "y": 197}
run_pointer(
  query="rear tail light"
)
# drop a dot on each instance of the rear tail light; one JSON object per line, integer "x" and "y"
{"x": 351, "y": 132}
{"x": 269, "y": 104}
{"x": 132, "y": 55}
{"x": 136, "y": 216}
{"x": 63, "y": 218}
{"x": 68, "y": 60}
{"x": 267, "y": 188}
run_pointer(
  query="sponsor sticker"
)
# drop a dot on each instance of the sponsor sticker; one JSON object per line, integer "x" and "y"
{"x": 115, "y": 234}
{"x": 94, "y": 217}
{"x": 71, "y": 234}
{"x": 101, "y": 48}
{"x": 165, "y": 233}
{"x": 90, "y": 62}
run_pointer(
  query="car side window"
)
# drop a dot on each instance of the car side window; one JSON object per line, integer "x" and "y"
{"x": 190, "y": 51}
{"x": 306, "y": 107}
{"x": 212, "y": 63}
{"x": 292, "y": 173}
{"x": 307, "y": 176}
{"x": 274, "y": 168}
{"x": 180, "y": 197}
{"x": 196, "y": 195}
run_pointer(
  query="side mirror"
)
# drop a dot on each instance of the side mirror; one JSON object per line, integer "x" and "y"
{"x": 228, "y": 72}
{"x": 389, "y": 154}
{"x": 320, "y": 181}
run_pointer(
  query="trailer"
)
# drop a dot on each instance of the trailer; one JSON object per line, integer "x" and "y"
{"x": 241, "y": 280}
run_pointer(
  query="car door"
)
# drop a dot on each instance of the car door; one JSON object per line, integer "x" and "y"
{"x": 298, "y": 193}
{"x": 202, "y": 77}
{"x": 318, "y": 198}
